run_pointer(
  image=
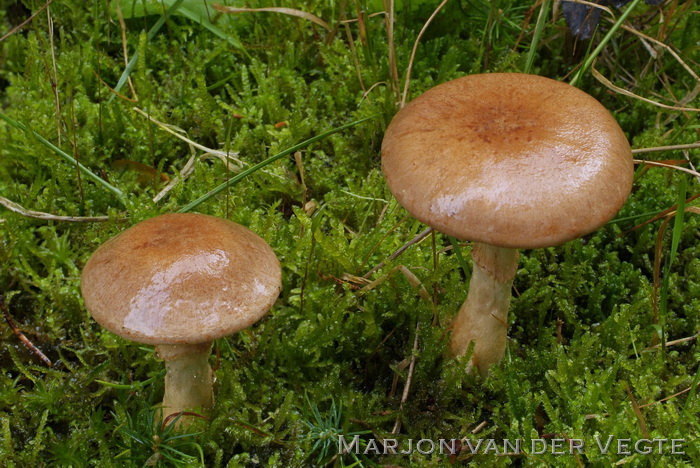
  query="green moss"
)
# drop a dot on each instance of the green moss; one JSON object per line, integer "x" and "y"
{"x": 330, "y": 359}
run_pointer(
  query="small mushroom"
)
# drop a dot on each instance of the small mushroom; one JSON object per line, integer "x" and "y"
{"x": 508, "y": 161}
{"x": 180, "y": 281}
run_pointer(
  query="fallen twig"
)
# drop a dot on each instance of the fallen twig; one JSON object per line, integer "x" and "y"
{"x": 21, "y": 335}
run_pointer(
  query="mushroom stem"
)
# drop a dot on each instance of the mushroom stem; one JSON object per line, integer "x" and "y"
{"x": 483, "y": 318}
{"x": 189, "y": 380}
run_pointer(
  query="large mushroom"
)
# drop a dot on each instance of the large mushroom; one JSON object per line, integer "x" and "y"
{"x": 508, "y": 161}
{"x": 180, "y": 281}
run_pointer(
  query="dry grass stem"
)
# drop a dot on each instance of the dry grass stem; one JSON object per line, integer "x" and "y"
{"x": 594, "y": 5}
{"x": 422, "y": 235}
{"x": 300, "y": 164}
{"x": 366, "y": 93}
{"x": 479, "y": 427}
{"x": 690, "y": 163}
{"x": 407, "y": 387}
{"x": 223, "y": 155}
{"x": 122, "y": 25}
{"x": 356, "y": 20}
{"x": 25, "y": 22}
{"x": 184, "y": 174}
{"x": 112, "y": 90}
{"x": 657, "y": 402}
{"x": 670, "y": 50}
{"x": 598, "y": 76}
{"x": 389, "y": 21}
{"x": 408, "y": 274}
{"x": 407, "y": 80}
{"x": 659, "y": 215}
{"x": 638, "y": 413}
{"x": 54, "y": 80}
{"x": 363, "y": 198}
{"x": 666, "y": 148}
{"x": 353, "y": 53}
{"x": 285, "y": 11}
{"x": 670, "y": 166}
{"x": 20, "y": 210}
{"x": 672, "y": 343}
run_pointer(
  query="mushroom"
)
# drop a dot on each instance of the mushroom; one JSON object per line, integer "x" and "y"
{"x": 509, "y": 161}
{"x": 180, "y": 281}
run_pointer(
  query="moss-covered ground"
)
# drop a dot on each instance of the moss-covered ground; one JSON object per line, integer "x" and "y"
{"x": 596, "y": 349}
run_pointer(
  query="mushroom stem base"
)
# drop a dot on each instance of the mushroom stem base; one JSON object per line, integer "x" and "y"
{"x": 189, "y": 380}
{"x": 483, "y": 318}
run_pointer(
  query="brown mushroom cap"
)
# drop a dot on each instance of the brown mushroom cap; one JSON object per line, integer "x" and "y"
{"x": 508, "y": 159}
{"x": 181, "y": 279}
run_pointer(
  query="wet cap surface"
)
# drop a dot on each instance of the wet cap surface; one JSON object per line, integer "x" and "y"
{"x": 181, "y": 279}
{"x": 511, "y": 160}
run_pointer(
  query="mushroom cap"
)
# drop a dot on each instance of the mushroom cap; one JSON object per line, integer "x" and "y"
{"x": 508, "y": 159}
{"x": 181, "y": 279}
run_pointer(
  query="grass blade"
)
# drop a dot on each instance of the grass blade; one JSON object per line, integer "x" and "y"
{"x": 593, "y": 55}
{"x": 675, "y": 240}
{"x": 539, "y": 26}
{"x": 91, "y": 175}
{"x": 135, "y": 56}
{"x": 271, "y": 159}
{"x": 678, "y": 222}
{"x": 460, "y": 258}
{"x": 212, "y": 29}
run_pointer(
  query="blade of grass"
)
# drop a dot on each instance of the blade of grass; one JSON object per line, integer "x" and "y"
{"x": 91, "y": 175}
{"x": 675, "y": 240}
{"x": 678, "y": 223}
{"x": 592, "y": 56}
{"x": 539, "y": 26}
{"x": 271, "y": 159}
{"x": 212, "y": 29}
{"x": 134, "y": 57}
{"x": 458, "y": 252}
{"x": 691, "y": 397}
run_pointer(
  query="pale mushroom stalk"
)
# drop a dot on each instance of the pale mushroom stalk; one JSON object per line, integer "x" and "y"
{"x": 483, "y": 318}
{"x": 189, "y": 380}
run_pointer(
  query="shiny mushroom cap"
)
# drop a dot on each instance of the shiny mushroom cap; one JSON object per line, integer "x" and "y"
{"x": 181, "y": 279}
{"x": 508, "y": 159}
